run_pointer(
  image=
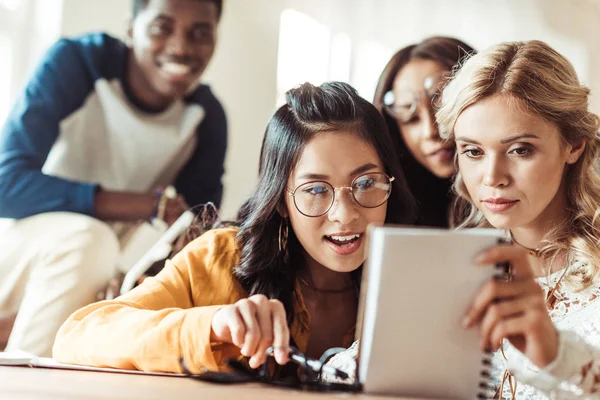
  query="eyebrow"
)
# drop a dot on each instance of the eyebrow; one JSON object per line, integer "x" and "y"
{"x": 169, "y": 18}
{"x": 503, "y": 141}
{"x": 163, "y": 16}
{"x": 359, "y": 170}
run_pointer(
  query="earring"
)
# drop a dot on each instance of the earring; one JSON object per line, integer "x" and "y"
{"x": 283, "y": 235}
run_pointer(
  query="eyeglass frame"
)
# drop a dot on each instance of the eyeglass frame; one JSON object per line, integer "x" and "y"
{"x": 309, "y": 379}
{"x": 335, "y": 189}
{"x": 417, "y": 95}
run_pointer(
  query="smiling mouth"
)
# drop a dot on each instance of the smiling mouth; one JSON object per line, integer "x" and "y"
{"x": 344, "y": 245}
{"x": 343, "y": 240}
{"x": 178, "y": 71}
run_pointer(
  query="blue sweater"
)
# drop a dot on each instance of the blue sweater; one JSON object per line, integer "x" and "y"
{"x": 74, "y": 127}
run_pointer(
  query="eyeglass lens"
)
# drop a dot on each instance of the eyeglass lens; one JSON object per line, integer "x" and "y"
{"x": 403, "y": 103}
{"x": 316, "y": 198}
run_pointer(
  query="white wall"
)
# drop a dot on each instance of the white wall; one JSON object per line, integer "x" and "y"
{"x": 244, "y": 70}
{"x": 384, "y": 26}
{"x": 243, "y": 75}
{"x": 79, "y": 16}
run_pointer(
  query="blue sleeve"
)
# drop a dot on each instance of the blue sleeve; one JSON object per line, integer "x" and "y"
{"x": 200, "y": 180}
{"x": 58, "y": 87}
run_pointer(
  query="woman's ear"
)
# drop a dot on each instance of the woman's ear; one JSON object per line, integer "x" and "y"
{"x": 282, "y": 210}
{"x": 574, "y": 152}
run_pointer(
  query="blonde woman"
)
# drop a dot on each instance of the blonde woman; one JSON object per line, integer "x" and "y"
{"x": 527, "y": 153}
{"x": 527, "y": 159}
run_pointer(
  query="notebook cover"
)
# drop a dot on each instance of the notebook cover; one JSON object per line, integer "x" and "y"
{"x": 417, "y": 285}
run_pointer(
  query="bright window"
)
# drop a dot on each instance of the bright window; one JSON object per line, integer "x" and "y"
{"x": 309, "y": 52}
{"x": 27, "y": 29}
{"x": 11, "y": 5}
{"x": 6, "y": 54}
{"x": 369, "y": 60}
{"x": 12, "y": 24}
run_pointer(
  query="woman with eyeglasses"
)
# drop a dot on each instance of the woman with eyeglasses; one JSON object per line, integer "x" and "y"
{"x": 290, "y": 268}
{"x": 528, "y": 163}
{"x": 406, "y": 95}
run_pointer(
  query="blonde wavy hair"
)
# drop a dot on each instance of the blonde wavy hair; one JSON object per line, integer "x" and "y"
{"x": 544, "y": 83}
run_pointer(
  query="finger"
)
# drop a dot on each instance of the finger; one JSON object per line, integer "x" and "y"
{"x": 113, "y": 290}
{"x": 494, "y": 291}
{"x": 247, "y": 311}
{"x": 141, "y": 279}
{"x": 265, "y": 322}
{"x": 509, "y": 327}
{"x": 176, "y": 205}
{"x": 175, "y": 209}
{"x": 281, "y": 333}
{"x": 502, "y": 310}
{"x": 516, "y": 256}
{"x": 182, "y": 203}
{"x": 237, "y": 327}
{"x": 101, "y": 295}
{"x": 173, "y": 212}
{"x": 532, "y": 333}
{"x": 180, "y": 243}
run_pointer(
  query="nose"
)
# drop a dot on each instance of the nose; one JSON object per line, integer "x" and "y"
{"x": 495, "y": 174}
{"x": 430, "y": 127}
{"x": 177, "y": 44}
{"x": 344, "y": 209}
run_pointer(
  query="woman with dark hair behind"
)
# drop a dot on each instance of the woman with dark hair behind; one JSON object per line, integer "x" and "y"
{"x": 290, "y": 268}
{"x": 405, "y": 96}
{"x": 406, "y": 88}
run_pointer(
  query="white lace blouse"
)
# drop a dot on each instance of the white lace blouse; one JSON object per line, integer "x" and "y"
{"x": 576, "y": 371}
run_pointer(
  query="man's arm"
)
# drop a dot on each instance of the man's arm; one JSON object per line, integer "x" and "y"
{"x": 58, "y": 87}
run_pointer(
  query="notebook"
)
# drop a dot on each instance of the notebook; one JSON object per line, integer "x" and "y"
{"x": 159, "y": 245}
{"x": 417, "y": 285}
{"x": 21, "y": 358}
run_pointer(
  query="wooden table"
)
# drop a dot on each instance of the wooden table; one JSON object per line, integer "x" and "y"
{"x": 24, "y": 383}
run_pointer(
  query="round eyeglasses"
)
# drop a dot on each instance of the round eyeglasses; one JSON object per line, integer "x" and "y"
{"x": 314, "y": 199}
{"x": 403, "y": 105}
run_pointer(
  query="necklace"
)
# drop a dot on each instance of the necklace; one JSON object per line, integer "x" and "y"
{"x": 550, "y": 301}
{"x": 330, "y": 291}
{"x": 551, "y": 295}
{"x": 551, "y": 298}
{"x": 533, "y": 252}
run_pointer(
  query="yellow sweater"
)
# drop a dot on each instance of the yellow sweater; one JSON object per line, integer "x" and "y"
{"x": 169, "y": 316}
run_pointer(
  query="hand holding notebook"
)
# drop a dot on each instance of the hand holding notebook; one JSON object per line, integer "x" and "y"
{"x": 515, "y": 309}
{"x": 417, "y": 286}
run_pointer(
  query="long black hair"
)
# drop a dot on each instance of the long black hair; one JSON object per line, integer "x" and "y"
{"x": 308, "y": 111}
{"x": 433, "y": 194}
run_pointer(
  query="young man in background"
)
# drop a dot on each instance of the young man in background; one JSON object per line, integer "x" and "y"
{"x": 99, "y": 127}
